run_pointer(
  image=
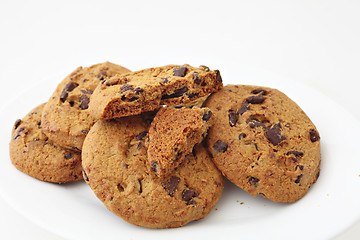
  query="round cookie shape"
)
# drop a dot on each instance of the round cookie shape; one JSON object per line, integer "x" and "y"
{"x": 115, "y": 167}
{"x": 66, "y": 119}
{"x": 34, "y": 154}
{"x": 263, "y": 142}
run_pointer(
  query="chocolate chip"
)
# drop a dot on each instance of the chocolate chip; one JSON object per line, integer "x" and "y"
{"x": 102, "y": 75}
{"x": 68, "y": 156}
{"x": 259, "y": 90}
{"x": 141, "y": 136}
{"x": 84, "y": 131}
{"x": 126, "y": 87}
{"x": 254, "y": 181}
{"x": 188, "y": 194}
{"x": 20, "y": 130}
{"x": 205, "y": 68}
{"x": 17, "y": 123}
{"x": 254, "y": 123}
{"x": 298, "y": 178}
{"x": 295, "y": 153}
{"x": 70, "y": 86}
{"x": 166, "y": 80}
{"x": 244, "y": 108}
{"x": 207, "y": 116}
{"x": 39, "y": 123}
{"x": 16, "y": 136}
{"x": 301, "y": 167}
{"x": 172, "y": 185}
{"x": 133, "y": 99}
{"x": 85, "y": 176}
{"x": 138, "y": 90}
{"x": 273, "y": 134}
{"x": 75, "y": 148}
{"x": 154, "y": 166}
{"x": 314, "y": 135}
{"x": 64, "y": 95}
{"x": 220, "y": 146}
{"x": 232, "y": 118}
{"x": 255, "y": 99}
{"x": 180, "y": 72}
{"x": 218, "y": 76}
{"x": 197, "y": 79}
{"x": 84, "y": 102}
{"x": 87, "y": 91}
{"x": 177, "y": 93}
{"x": 242, "y": 135}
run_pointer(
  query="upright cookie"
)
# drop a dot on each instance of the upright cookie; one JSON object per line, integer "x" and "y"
{"x": 115, "y": 167}
{"x": 145, "y": 90}
{"x": 263, "y": 142}
{"x": 34, "y": 154}
{"x": 173, "y": 135}
{"x": 66, "y": 119}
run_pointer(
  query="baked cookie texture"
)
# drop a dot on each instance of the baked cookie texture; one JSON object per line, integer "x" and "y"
{"x": 115, "y": 167}
{"x": 34, "y": 154}
{"x": 66, "y": 119}
{"x": 148, "y": 89}
{"x": 263, "y": 142}
{"x": 173, "y": 135}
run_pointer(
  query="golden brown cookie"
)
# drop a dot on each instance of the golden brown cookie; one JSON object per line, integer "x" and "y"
{"x": 115, "y": 167}
{"x": 34, "y": 154}
{"x": 66, "y": 119}
{"x": 145, "y": 90}
{"x": 173, "y": 135}
{"x": 263, "y": 142}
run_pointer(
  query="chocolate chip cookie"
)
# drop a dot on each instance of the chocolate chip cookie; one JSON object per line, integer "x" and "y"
{"x": 173, "y": 135}
{"x": 66, "y": 119}
{"x": 145, "y": 90}
{"x": 263, "y": 142}
{"x": 34, "y": 154}
{"x": 115, "y": 167}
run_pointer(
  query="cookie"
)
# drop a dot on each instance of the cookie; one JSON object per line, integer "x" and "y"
{"x": 173, "y": 135}
{"x": 263, "y": 142}
{"x": 145, "y": 90}
{"x": 34, "y": 154}
{"x": 66, "y": 119}
{"x": 115, "y": 167}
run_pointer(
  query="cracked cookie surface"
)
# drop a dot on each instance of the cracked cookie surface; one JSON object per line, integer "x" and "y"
{"x": 66, "y": 119}
{"x": 263, "y": 142}
{"x": 115, "y": 167}
{"x": 148, "y": 89}
{"x": 173, "y": 135}
{"x": 34, "y": 154}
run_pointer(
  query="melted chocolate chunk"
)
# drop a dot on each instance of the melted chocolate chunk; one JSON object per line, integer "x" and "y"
{"x": 102, "y": 75}
{"x": 233, "y": 118}
{"x": 188, "y": 195}
{"x": 207, "y": 116}
{"x": 218, "y": 76}
{"x": 84, "y": 102}
{"x": 197, "y": 79}
{"x": 17, "y": 123}
{"x": 154, "y": 166}
{"x": 220, "y": 146}
{"x": 141, "y": 136}
{"x": 70, "y": 86}
{"x": 273, "y": 134}
{"x": 64, "y": 96}
{"x": 242, "y": 135}
{"x": 171, "y": 185}
{"x": 255, "y": 99}
{"x": 126, "y": 87}
{"x": 244, "y": 108}
{"x": 314, "y": 135}
{"x": 85, "y": 176}
{"x": 295, "y": 153}
{"x": 254, "y": 181}
{"x": 254, "y": 123}
{"x": 177, "y": 93}
{"x": 180, "y": 72}
{"x": 68, "y": 156}
{"x": 298, "y": 178}
{"x": 259, "y": 91}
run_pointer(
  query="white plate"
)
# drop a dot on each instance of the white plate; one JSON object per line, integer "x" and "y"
{"x": 330, "y": 206}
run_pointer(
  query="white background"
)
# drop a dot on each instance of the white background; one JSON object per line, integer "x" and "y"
{"x": 313, "y": 42}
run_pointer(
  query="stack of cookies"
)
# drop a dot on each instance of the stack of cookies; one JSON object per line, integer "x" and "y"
{"x": 155, "y": 144}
